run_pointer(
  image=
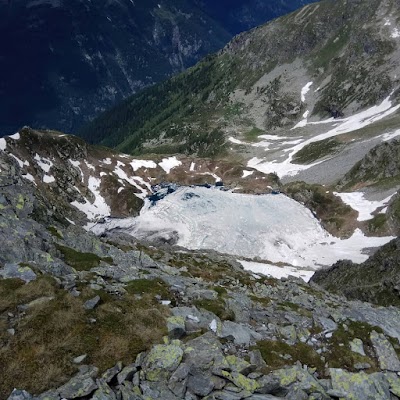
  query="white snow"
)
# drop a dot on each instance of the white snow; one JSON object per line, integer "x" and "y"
{"x": 19, "y": 161}
{"x": 3, "y": 144}
{"x": 395, "y": 33}
{"x": 305, "y": 90}
{"x": 16, "y": 136}
{"x": 70, "y": 221}
{"x": 120, "y": 190}
{"x": 387, "y": 22}
{"x": 215, "y": 176}
{"x": 48, "y": 179}
{"x": 90, "y": 166}
{"x": 123, "y": 175}
{"x": 44, "y": 163}
{"x": 169, "y": 163}
{"x": 358, "y": 202}
{"x": 271, "y": 227}
{"x": 247, "y": 173}
{"x": 192, "y": 167}
{"x": 346, "y": 125}
{"x": 137, "y": 164}
{"x": 236, "y": 141}
{"x": 29, "y": 177}
{"x": 99, "y": 208}
{"x": 107, "y": 161}
{"x": 213, "y": 325}
{"x": 390, "y": 135}
{"x": 276, "y": 271}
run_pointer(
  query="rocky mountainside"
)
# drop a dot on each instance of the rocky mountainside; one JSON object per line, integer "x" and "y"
{"x": 376, "y": 280}
{"x": 318, "y": 84}
{"x": 64, "y": 62}
{"x": 111, "y": 317}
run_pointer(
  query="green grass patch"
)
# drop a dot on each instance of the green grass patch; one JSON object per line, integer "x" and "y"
{"x": 273, "y": 352}
{"x": 253, "y": 134}
{"x": 81, "y": 261}
{"x": 55, "y": 232}
{"x": 217, "y": 306}
{"x": 317, "y": 150}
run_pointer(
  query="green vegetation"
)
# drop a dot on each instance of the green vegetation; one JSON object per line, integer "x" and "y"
{"x": 216, "y": 306}
{"x": 253, "y": 134}
{"x": 81, "y": 261}
{"x": 339, "y": 353}
{"x": 278, "y": 354}
{"x": 55, "y": 232}
{"x": 317, "y": 150}
{"x": 55, "y": 331}
{"x": 378, "y": 224}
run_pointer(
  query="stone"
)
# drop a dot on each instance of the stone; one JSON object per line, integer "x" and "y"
{"x": 20, "y": 395}
{"x": 359, "y": 385}
{"x": 92, "y": 303}
{"x": 257, "y": 359}
{"x": 127, "y": 373}
{"x": 385, "y": 352}
{"x": 78, "y": 386}
{"x": 130, "y": 392}
{"x": 178, "y": 381}
{"x": 79, "y": 359}
{"x": 111, "y": 373}
{"x": 296, "y": 394}
{"x": 11, "y": 270}
{"x": 11, "y": 331}
{"x": 357, "y": 346}
{"x": 327, "y": 324}
{"x": 176, "y": 327}
{"x": 240, "y": 334}
{"x": 162, "y": 361}
{"x": 200, "y": 383}
{"x": 104, "y": 392}
{"x": 268, "y": 384}
{"x": 241, "y": 381}
{"x": 360, "y": 366}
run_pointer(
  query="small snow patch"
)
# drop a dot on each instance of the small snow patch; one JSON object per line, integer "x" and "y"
{"x": 29, "y": 177}
{"x": 16, "y": 136}
{"x": 358, "y": 202}
{"x": 48, "y": 179}
{"x": 305, "y": 90}
{"x": 395, "y": 33}
{"x": 192, "y": 166}
{"x": 169, "y": 163}
{"x": 137, "y": 164}
{"x": 107, "y": 161}
{"x": 20, "y": 162}
{"x": 44, "y": 163}
{"x": 3, "y": 144}
{"x": 247, "y": 173}
{"x": 277, "y": 272}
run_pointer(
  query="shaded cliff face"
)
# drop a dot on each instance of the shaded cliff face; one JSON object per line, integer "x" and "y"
{"x": 63, "y": 62}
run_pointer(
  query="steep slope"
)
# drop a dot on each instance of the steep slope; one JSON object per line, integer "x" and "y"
{"x": 331, "y": 59}
{"x": 109, "y": 317}
{"x": 63, "y": 62}
{"x": 376, "y": 280}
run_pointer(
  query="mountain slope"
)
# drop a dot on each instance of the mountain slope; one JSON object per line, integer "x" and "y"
{"x": 376, "y": 280}
{"x": 329, "y": 59}
{"x": 63, "y": 62}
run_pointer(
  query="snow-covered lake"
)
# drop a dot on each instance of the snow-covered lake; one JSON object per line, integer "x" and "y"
{"x": 273, "y": 228}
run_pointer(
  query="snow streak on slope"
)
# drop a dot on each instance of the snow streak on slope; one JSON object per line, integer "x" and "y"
{"x": 346, "y": 125}
{"x": 365, "y": 208}
{"x": 271, "y": 227}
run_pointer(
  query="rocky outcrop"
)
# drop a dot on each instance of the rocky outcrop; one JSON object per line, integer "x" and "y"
{"x": 376, "y": 280}
{"x": 380, "y": 165}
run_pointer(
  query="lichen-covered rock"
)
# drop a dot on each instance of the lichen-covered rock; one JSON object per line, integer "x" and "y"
{"x": 17, "y": 271}
{"x": 20, "y": 395}
{"x": 162, "y": 361}
{"x": 360, "y": 385}
{"x": 385, "y": 352}
{"x": 79, "y": 386}
{"x": 103, "y": 392}
{"x": 176, "y": 327}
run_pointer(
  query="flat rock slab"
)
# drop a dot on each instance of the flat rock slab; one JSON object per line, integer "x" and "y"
{"x": 385, "y": 352}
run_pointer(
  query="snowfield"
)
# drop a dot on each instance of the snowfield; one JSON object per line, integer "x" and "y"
{"x": 273, "y": 228}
